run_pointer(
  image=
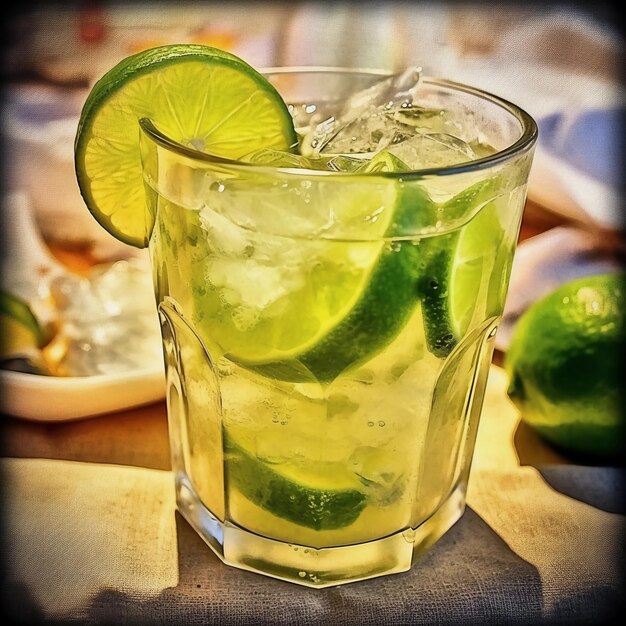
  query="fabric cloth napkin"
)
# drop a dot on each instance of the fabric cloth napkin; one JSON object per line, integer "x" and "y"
{"x": 89, "y": 543}
{"x": 546, "y": 261}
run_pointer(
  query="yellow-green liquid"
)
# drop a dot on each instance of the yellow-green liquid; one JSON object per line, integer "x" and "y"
{"x": 298, "y": 456}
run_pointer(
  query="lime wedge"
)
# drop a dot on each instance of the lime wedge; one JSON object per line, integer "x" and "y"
{"x": 286, "y": 497}
{"x": 198, "y": 96}
{"x": 360, "y": 305}
{"x": 20, "y": 330}
{"x": 456, "y": 264}
{"x": 263, "y": 300}
{"x": 388, "y": 298}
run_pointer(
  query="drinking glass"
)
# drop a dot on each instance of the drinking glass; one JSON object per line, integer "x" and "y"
{"x": 328, "y": 335}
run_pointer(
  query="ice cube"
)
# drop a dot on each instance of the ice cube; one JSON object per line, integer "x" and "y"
{"x": 422, "y": 119}
{"x": 278, "y": 158}
{"x": 320, "y": 134}
{"x": 344, "y": 163}
{"x": 432, "y": 150}
{"x": 108, "y": 322}
{"x": 391, "y": 92}
{"x": 345, "y": 132}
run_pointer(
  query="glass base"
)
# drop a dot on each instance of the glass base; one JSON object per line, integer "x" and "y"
{"x": 313, "y": 567}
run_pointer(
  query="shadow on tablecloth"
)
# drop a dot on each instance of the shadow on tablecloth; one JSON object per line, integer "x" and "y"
{"x": 579, "y": 477}
{"x": 601, "y": 487}
{"x": 470, "y": 576}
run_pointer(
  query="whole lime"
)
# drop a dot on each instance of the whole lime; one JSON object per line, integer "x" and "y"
{"x": 565, "y": 366}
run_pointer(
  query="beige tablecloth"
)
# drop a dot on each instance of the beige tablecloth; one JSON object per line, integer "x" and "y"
{"x": 95, "y": 543}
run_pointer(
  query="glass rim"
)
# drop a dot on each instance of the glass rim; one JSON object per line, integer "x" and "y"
{"x": 524, "y": 143}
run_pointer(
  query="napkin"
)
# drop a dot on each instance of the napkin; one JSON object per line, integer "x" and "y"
{"x": 577, "y": 166}
{"x": 94, "y": 543}
{"x": 570, "y": 65}
{"x": 545, "y": 262}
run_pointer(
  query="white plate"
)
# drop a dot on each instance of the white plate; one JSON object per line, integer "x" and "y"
{"x": 52, "y": 399}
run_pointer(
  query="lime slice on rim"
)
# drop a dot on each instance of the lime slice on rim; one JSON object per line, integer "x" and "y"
{"x": 198, "y": 96}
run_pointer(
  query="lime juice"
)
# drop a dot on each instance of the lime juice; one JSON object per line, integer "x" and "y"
{"x": 331, "y": 253}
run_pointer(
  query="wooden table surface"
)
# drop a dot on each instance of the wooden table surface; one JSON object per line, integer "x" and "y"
{"x": 139, "y": 436}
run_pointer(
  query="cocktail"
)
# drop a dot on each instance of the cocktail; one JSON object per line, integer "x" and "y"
{"x": 331, "y": 252}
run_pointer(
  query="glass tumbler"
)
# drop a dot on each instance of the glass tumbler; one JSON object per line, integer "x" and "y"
{"x": 328, "y": 336}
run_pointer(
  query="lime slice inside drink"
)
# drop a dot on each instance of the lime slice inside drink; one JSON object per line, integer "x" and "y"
{"x": 198, "y": 96}
{"x": 456, "y": 266}
{"x": 290, "y": 498}
{"x": 445, "y": 272}
{"x": 350, "y": 299}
